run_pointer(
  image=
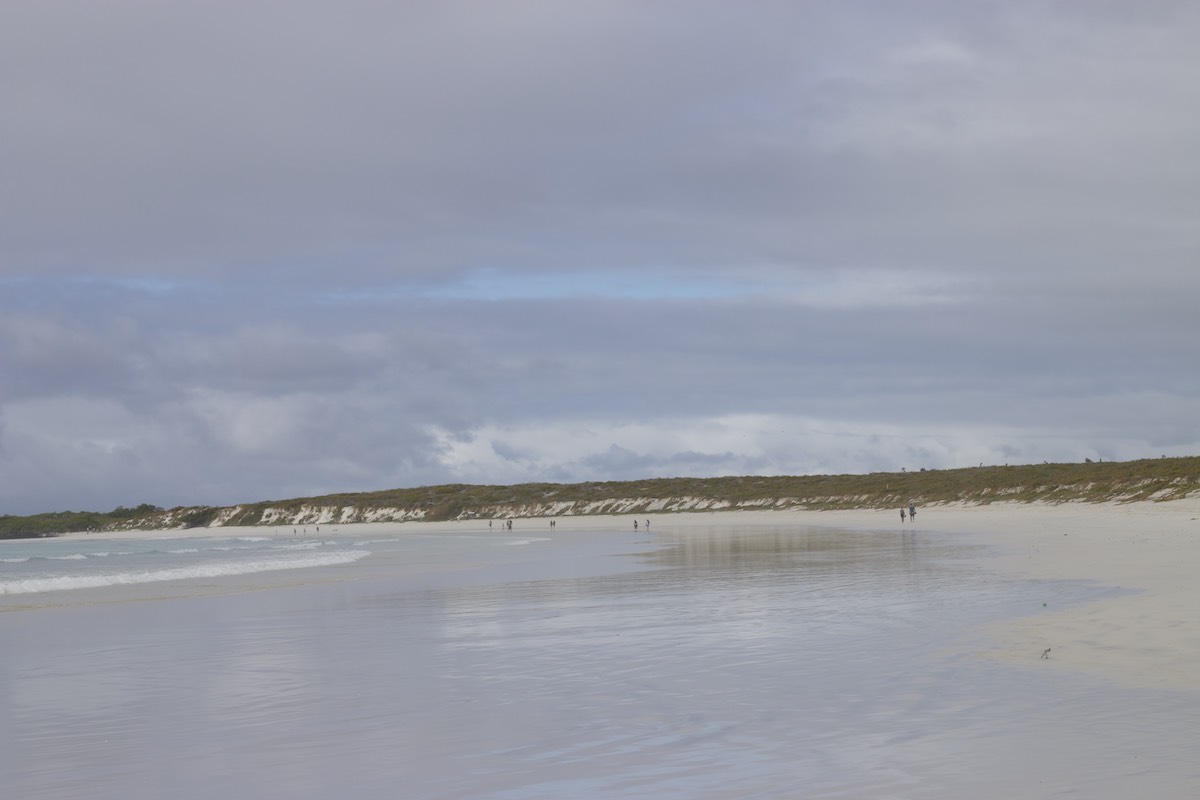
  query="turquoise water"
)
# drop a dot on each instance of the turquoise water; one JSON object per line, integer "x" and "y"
{"x": 760, "y": 661}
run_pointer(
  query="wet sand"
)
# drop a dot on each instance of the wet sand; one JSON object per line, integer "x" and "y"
{"x": 1146, "y": 638}
{"x": 744, "y": 654}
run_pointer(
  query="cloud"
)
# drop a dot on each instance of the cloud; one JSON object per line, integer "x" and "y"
{"x": 262, "y": 249}
{"x": 758, "y": 444}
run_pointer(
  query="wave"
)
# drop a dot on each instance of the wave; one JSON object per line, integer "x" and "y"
{"x": 94, "y": 581}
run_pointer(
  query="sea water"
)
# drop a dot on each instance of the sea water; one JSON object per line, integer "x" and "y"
{"x": 32, "y": 567}
{"x": 728, "y": 661}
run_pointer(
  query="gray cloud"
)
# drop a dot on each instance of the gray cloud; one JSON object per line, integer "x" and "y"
{"x": 263, "y": 249}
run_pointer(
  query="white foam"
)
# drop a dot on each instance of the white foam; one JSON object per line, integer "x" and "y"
{"x": 94, "y": 581}
{"x": 302, "y": 546}
{"x": 72, "y": 557}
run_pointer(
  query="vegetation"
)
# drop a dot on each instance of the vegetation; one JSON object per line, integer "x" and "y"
{"x": 1149, "y": 479}
{"x": 1158, "y": 479}
{"x": 63, "y": 521}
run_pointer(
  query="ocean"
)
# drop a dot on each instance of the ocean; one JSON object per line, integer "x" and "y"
{"x": 721, "y": 661}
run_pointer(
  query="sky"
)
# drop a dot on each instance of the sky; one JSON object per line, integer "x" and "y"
{"x": 266, "y": 249}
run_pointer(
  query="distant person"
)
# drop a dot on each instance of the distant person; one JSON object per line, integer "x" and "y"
{"x": 635, "y": 524}
{"x": 902, "y": 514}
{"x": 647, "y": 524}
{"x": 912, "y": 513}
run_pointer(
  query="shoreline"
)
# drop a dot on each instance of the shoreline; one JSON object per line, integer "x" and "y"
{"x": 1147, "y": 638}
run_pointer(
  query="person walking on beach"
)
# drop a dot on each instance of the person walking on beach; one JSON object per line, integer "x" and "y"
{"x": 912, "y": 512}
{"x": 901, "y": 514}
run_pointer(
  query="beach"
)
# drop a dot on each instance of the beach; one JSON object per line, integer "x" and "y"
{"x": 1146, "y": 638}
{"x": 1006, "y": 650}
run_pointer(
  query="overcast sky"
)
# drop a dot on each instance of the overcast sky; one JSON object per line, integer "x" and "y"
{"x": 255, "y": 250}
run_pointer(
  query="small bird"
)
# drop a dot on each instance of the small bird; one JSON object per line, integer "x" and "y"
{"x": 1046, "y": 653}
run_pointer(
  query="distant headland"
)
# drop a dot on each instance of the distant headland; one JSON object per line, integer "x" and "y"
{"x": 1160, "y": 479}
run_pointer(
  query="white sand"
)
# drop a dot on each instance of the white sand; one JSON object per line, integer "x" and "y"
{"x": 1149, "y": 638}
